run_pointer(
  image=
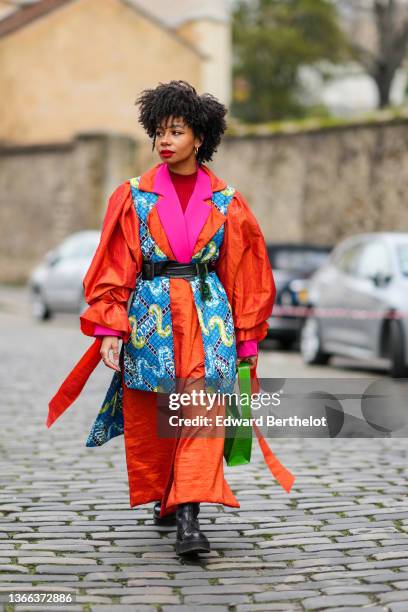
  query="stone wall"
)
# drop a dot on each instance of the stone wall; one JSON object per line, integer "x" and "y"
{"x": 324, "y": 184}
{"x": 47, "y": 192}
{"x": 317, "y": 186}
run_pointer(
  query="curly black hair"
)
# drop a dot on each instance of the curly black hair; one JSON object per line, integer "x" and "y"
{"x": 203, "y": 114}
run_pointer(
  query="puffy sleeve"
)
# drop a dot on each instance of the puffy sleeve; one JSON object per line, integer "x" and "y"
{"x": 245, "y": 271}
{"x": 112, "y": 274}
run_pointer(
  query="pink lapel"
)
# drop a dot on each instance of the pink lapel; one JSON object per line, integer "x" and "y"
{"x": 182, "y": 230}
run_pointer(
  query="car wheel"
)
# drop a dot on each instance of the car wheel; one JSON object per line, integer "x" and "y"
{"x": 39, "y": 308}
{"x": 310, "y": 343}
{"x": 398, "y": 368}
{"x": 287, "y": 344}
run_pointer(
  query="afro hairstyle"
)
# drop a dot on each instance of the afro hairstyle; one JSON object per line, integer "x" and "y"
{"x": 203, "y": 114}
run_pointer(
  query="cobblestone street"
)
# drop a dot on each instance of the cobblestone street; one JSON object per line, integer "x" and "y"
{"x": 338, "y": 541}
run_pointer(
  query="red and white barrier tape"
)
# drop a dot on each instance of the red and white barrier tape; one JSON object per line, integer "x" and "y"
{"x": 336, "y": 313}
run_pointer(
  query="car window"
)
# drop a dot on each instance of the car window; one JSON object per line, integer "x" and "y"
{"x": 402, "y": 255}
{"x": 78, "y": 246}
{"x": 304, "y": 260}
{"x": 87, "y": 248}
{"x": 347, "y": 260}
{"x": 375, "y": 259}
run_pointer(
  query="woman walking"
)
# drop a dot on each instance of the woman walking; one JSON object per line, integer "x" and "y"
{"x": 189, "y": 247}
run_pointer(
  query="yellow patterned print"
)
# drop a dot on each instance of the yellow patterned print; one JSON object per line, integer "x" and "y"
{"x": 137, "y": 343}
{"x": 158, "y": 251}
{"x": 199, "y": 254}
{"x": 135, "y": 181}
{"x": 212, "y": 249}
{"x": 155, "y": 309}
{"x": 159, "y": 389}
{"x": 228, "y": 191}
{"x": 201, "y": 321}
{"x": 111, "y": 404}
{"x": 216, "y": 320}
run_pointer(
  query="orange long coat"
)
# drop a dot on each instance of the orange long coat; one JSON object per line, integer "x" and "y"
{"x": 174, "y": 470}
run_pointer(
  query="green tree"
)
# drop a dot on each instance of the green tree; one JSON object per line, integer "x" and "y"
{"x": 272, "y": 39}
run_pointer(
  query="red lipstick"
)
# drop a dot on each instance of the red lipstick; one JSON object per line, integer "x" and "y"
{"x": 166, "y": 153}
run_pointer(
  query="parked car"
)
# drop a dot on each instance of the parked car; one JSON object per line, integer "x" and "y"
{"x": 55, "y": 285}
{"x": 292, "y": 265}
{"x": 359, "y": 303}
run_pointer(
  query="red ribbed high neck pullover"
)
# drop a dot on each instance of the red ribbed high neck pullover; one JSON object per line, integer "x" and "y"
{"x": 184, "y": 186}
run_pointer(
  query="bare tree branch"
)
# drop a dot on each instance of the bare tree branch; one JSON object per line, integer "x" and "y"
{"x": 367, "y": 58}
{"x": 390, "y": 18}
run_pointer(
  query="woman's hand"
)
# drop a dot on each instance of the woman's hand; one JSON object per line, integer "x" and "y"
{"x": 110, "y": 343}
{"x": 252, "y": 360}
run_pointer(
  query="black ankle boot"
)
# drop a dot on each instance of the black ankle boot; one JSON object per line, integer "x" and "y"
{"x": 189, "y": 537}
{"x": 168, "y": 519}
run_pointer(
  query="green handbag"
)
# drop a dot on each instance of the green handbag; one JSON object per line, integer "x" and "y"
{"x": 238, "y": 437}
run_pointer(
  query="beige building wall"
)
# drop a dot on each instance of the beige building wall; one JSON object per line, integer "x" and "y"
{"x": 213, "y": 38}
{"x": 206, "y": 24}
{"x": 81, "y": 67}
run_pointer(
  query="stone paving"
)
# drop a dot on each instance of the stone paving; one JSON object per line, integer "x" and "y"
{"x": 338, "y": 541}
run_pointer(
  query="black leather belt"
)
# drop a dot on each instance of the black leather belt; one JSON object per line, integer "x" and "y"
{"x": 175, "y": 269}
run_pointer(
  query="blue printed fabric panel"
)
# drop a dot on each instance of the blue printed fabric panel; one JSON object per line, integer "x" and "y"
{"x": 215, "y": 315}
{"x": 210, "y": 251}
{"x": 109, "y": 421}
{"x": 149, "y": 354}
{"x": 217, "y": 329}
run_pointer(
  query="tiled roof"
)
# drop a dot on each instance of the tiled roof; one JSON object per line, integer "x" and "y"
{"x": 27, "y": 14}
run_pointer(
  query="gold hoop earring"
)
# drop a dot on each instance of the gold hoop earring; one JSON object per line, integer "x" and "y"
{"x": 196, "y": 151}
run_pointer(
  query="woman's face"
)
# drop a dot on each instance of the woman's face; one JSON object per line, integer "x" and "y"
{"x": 175, "y": 141}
